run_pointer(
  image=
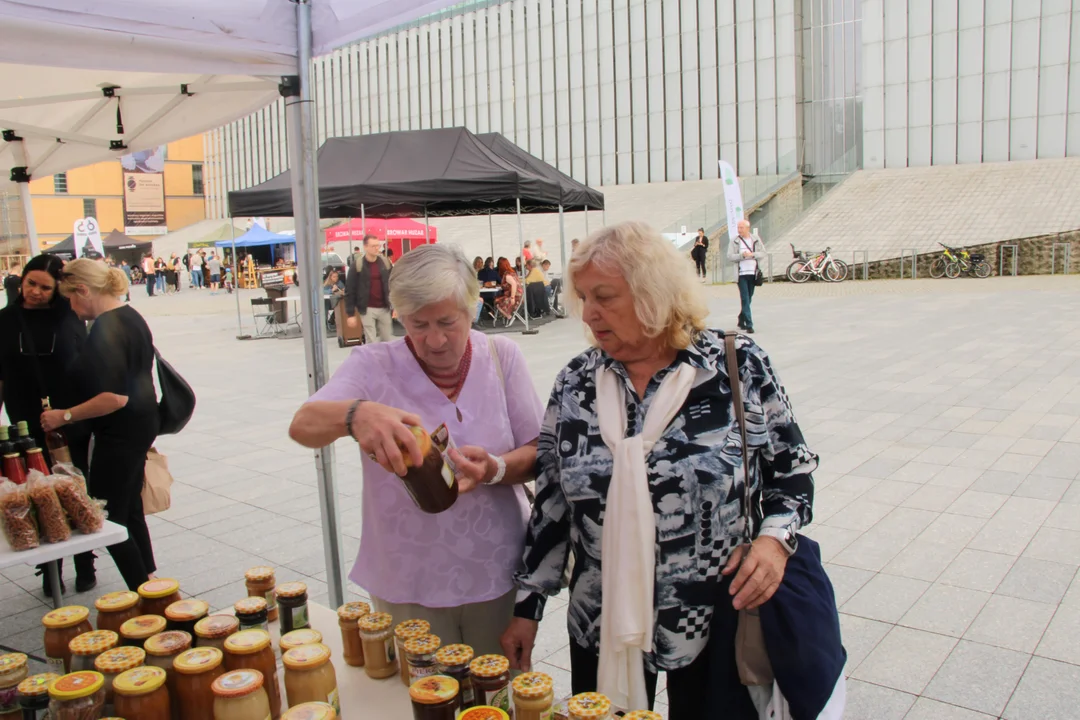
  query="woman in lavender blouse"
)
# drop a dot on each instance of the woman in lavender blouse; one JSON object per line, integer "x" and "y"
{"x": 454, "y": 569}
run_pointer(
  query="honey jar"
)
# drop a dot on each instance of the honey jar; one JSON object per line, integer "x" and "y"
{"x": 534, "y": 695}
{"x": 61, "y": 627}
{"x": 116, "y": 608}
{"x": 407, "y": 630}
{"x": 377, "y": 634}
{"x": 348, "y": 614}
{"x": 434, "y": 698}
{"x": 589, "y": 706}
{"x": 260, "y": 583}
{"x": 491, "y": 681}
{"x": 157, "y": 594}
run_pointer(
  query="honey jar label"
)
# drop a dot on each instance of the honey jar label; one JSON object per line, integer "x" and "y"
{"x": 498, "y": 698}
{"x": 271, "y": 599}
{"x": 388, "y": 645}
{"x": 300, "y": 617}
{"x": 417, "y": 673}
{"x": 56, "y": 665}
{"x": 442, "y": 440}
{"x": 332, "y": 701}
{"x": 467, "y": 693}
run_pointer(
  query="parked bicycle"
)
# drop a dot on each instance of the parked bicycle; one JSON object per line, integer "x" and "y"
{"x": 954, "y": 261}
{"x": 822, "y": 266}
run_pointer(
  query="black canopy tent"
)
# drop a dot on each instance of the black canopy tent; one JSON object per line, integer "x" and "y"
{"x": 116, "y": 243}
{"x": 573, "y": 194}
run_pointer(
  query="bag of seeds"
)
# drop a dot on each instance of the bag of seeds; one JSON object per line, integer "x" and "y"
{"x": 52, "y": 522}
{"x": 17, "y": 517}
{"x": 86, "y": 514}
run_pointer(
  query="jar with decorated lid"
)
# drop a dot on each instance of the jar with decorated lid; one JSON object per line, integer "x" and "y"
{"x": 491, "y": 681}
{"x": 212, "y": 630}
{"x": 61, "y": 627}
{"x": 161, "y": 650}
{"x": 116, "y": 608}
{"x": 86, "y": 647}
{"x": 453, "y": 660}
{"x": 112, "y": 663}
{"x": 76, "y": 696}
{"x": 183, "y": 614}
{"x": 483, "y": 712}
{"x": 32, "y": 695}
{"x": 142, "y": 694}
{"x": 589, "y": 706}
{"x": 250, "y": 649}
{"x": 420, "y": 655}
{"x": 252, "y": 614}
{"x": 136, "y": 630}
{"x": 307, "y": 636}
{"x": 196, "y": 670}
{"x": 407, "y": 630}
{"x": 260, "y": 582}
{"x": 157, "y": 594}
{"x": 292, "y": 606}
{"x": 642, "y": 715}
{"x": 310, "y": 711}
{"x": 434, "y": 698}
{"x": 348, "y": 615}
{"x": 534, "y": 695}
{"x": 310, "y": 676}
{"x": 377, "y": 634}
{"x": 240, "y": 695}
{"x": 13, "y": 671}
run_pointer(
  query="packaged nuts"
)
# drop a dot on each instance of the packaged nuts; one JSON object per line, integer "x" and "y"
{"x": 52, "y": 521}
{"x": 16, "y": 516}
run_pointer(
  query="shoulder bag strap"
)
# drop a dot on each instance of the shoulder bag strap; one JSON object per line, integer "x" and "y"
{"x": 740, "y": 417}
{"x": 529, "y": 494}
{"x": 28, "y": 343}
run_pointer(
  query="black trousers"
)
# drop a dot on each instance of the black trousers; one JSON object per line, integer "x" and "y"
{"x": 116, "y": 476}
{"x": 699, "y": 263}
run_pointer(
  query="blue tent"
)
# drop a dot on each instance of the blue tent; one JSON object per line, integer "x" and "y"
{"x": 257, "y": 236}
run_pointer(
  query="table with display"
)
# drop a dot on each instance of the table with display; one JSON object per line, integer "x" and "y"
{"x": 51, "y": 553}
{"x": 294, "y": 316}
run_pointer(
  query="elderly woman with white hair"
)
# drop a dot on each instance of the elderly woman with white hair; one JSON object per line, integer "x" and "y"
{"x": 454, "y": 569}
{"x": 639, "y": 473}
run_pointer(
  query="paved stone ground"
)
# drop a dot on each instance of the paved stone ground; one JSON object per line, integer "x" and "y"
{"x": 946, "y": 413}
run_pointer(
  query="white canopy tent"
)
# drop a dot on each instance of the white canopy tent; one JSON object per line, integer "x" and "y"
{"x": 69, "y": 97}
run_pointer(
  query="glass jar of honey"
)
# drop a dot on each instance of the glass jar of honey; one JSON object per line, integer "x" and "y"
{"x": 453, "y": 660}
{"x": 250, "y": 649}
{"x": 116, "y": 608}
{"x": 12, "y": 672}
{"x": 296, "y": 638}
{"x": 77, "y": 695}
{"x": 240, "y": 695}
{"x": 642, "y": 715}
{"x": 32, "y": 694}
{"x": 183, "y": 614}
{"x": 292, "y": 606}
{"x": 260, "y": 583}
{"x": 407, "y": 630}
{"x": 377, "y": 634}
{"x": 61, "y": 627}
{"x": 310, "y": 711}
{"x": 484, "y": 712}
{"x": 420, "y": 655}
{"x": 157, "y": 594}
{"x": 86, "y": 647}
{"x": 432, "y": 485}
{"x": 112, "y": 663}
{"x": 589, "y": 706}
{"x": 142, "y": 694}
{"x": 310, "y": 676}
{"x": 434, "y": 697}
{"x": 136, "y": 630}
{"x": 252, "y": 613}
{"x": 212, "y": 630}
{"x": 348, "y": 614}
{"x": 196, "y": 670}
{"x": 534, "y": 695}
{"x": 161, "y": 650}
{"x": 491, "y": 681}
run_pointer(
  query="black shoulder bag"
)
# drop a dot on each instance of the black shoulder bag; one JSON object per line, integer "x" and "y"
{"x": 177, "y": 403}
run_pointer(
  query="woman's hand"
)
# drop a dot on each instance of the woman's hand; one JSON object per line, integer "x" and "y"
{"x": 380, "y": 429}
{"x": 760, "y": 572}
{"x": 517, "y": 643}
{"x": 474, "y": 467}
{"x": 52, "y": 419}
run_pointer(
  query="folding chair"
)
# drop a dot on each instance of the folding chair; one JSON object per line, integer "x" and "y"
{"x": 265, "y": 315}
{"x": 518, "y": 313}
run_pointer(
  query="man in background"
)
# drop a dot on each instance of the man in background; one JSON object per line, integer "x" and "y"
{"x": 12, "y": 283}
{"x": 367, "y": 292}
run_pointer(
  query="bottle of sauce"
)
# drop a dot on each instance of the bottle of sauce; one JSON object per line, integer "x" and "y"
{"x": 240, "y": 695}
{"x": 6, "y": 446}
{"x": 297, "y": 638}
{"x": 310, "y": 711}
{"x": 111, "y": 664}
{"x": 61, "y": 627}
{"x": 12, "y": 672}
{"x": 33, "y": 695}
{"x": 212, "y": 630}
{"x": 420, "y": 654}
{"x": 135, "y": 631}
{"x": 24, "y": 441}
{"x": 14, "y": 467}
{"x": 534, "y": 695}
{"x": 407, "y": 630}
{"x": 377, "y": 634}
{"x": 56, "y": 441}
{"x": 453, "y": 660}
{"x": 348, "y": 615}
{"x": 491, "y": 681}
{"x": 196, "y": 670}
{"x": 35, "y": 460}
{"x": 310, "y": 676}
{"x": 252, "y": 613}
{"x": 116, "y": 608}
{"x": 183, "y": 614}
{"x": 589, "y": 706}
{"x": 77, "y": 695}
{"x": 250, "y": 649}
{"x": 260, "y": 583}
{"x": 434, "y": 698}
{"x": 142, "y": 694}
{"x": 86, "y": 647}
{"x": 161, "y": 650}
{"x": 158, "y": 594}
{"x": 292, "y": 606}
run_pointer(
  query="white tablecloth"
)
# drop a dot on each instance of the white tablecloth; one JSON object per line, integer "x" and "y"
{"x": 109, "y": 535}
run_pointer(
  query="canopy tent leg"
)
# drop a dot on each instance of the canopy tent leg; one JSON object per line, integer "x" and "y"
{"x": 427, "y": 228}
{"x": 28, "y": 213}
{"x": 21, "y": 176}
{"x": 363, "y": 221}
{"x": 525, "y": 270}
{"x": 562, "y": 240}
{"x": 491, "y": 236}
{"x": 305, "y": 196}
{"x": 240, "y": 335}
{"x": 586, "y": 221}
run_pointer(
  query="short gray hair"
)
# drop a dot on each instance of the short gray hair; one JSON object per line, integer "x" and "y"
{"x": 430, "y": 274}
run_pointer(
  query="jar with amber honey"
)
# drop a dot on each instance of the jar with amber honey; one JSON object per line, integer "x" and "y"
{"x": 161, "y": 650}
{"x": 642, "y": 715}
{"x": 112, "y": 663}
{"x": 296, "y": 638}
{"x": 183, "y": 614}
{"x": 250, "y": 649}
{"x": 434, "y": 698}
{"x": 310, "y": 711}
{"x": 407, "y": 630}
{"x": 86, "y": 647}
{"x": 32, "y": 694}
{"x": 212, "y": 630}
{"x": 61, "y": 627}
{"x": 292, "y": 606}
{"x": 12, "y": 672}
{"x": 157, "y": 594}
{"x": 142, "y": 694}
{"x": 77, "y": 695}
{"x": 453, "y": 660}
{"x": 196, "y": 670}
{"x": 116, "y": 608}
{"x": 420, "y": 655}
{"x": 310, "y": 676}
{"x": 136, "y": 630}
{"x": 491, "y": 681}
{"x": 484, "y": 712}
{"x": 534, "y": 694}
{"x": 240, "y": 695}
{"x": 260, "y": 583}
{"x": 252, "y": 614}
{"x": 348, "y": 614}
{"x": 589, "y": 706}
{"x": 377, "y": 634}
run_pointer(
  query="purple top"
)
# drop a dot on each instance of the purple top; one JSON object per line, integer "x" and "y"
{"x": 469, "y": 553}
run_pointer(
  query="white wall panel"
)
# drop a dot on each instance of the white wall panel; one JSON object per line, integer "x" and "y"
{"x": 1022, "y": 141}
{"x": 995, "y": 141}
{"x": 1051, "y": 133}
{"x": 969, "y": 142}
{"x": 944, "y": 145}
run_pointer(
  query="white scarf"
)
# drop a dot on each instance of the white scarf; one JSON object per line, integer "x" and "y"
{"x": 628, "y": 542}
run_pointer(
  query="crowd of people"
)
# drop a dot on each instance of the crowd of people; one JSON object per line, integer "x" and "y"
{"x": 202, "y": 271}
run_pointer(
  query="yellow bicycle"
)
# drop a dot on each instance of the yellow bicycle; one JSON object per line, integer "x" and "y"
{"x": 954, "y": 261}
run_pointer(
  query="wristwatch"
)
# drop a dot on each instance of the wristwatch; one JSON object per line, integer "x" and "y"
{"x": 500, "y": 471}
{"x": 67, "y": 416}
{"x": 785, "y": 535}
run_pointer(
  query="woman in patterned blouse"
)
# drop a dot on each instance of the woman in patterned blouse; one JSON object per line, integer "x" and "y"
{"x": 646, "y": 316}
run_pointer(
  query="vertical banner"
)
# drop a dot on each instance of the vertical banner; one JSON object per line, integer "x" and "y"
{"x": 144, "y": 192}
{"x": 732, "y": 198}
{"x": 87, "y": 237}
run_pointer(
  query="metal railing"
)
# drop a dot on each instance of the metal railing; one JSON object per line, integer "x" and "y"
{"x": 1066, "y": 256}
{"x": 914, "y": 262}
{"x": 1015, "y": 258}
{"x": 865, "y": 263}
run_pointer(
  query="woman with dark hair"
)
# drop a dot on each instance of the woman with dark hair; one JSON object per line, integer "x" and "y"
{"x": 40, "y": 337}
{"x": 700, "y": 253}
{"x": 510, "y": 298}
{"x": 488, "y": 276}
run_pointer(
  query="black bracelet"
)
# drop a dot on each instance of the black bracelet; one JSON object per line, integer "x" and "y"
{"x": 349, "y": 417}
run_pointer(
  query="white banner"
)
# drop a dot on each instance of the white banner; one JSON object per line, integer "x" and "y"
{"x": 88, "y": 239}
{"x": 732, "y": 198}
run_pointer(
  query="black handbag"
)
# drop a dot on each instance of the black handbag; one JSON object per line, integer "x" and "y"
{"x": 759, "y": 278}
{"x": 177, "y": 403}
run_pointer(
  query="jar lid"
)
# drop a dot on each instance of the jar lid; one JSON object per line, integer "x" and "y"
{"x": 246, "y": 642}
{"x": 310, "y": 711}
{"x": 36, "y": 685}
{"x": 250, "y": 606}
{"x": 76, "y": 685}
{"x": 217, "y": 626}
{"x": 423, "y": 645}
{"x": 375, "y": 622}
{"x": 158, "y": 588}
{"x": 12, "y": 662}
{"x": 140, "y": 680}
{"x": 197, "y": 660}
{"x": 456, "y": 654}
{"x": 532, "y": 685}
{"x": 353, "y": 610}
{"x": 93, "y": 642}
{"x": 411, "y": 628}
{"x": 116, "y": 601}
{"x": 259, "y": 573}
{"x": 237, "y": 683}
{"x": 291, "y": 589}
{"x": 119, "y": 659}
{"x": 172, "y": 642}
{"x": 65, "y": 617}
{"x": 484, "y": 712}
{"x": 139, "y": 628}
{"x": 642, "y": 715}
{"x": 489, "y": 666}
{"x": 587, "y": 705}
{"x": 187, "y": 610}
{"x": 296, "y": 638}
{"x": 306, "y": 657}
{"x": 434, "y": 690}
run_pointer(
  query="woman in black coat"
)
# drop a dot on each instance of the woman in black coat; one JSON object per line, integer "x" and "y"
{"x": 700, "y": 252}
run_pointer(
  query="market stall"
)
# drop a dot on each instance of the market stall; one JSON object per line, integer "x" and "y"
{"x": 117, "y": 245}
{"x": 399, "y": 234}
{"x": 266, "y": 258}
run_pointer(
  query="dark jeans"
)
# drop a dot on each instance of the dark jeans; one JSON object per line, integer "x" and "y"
{"x": 699, "y": 264}
{"x": 116, "y": 475}
{"x": 746, "y": 294}
{"x": 150, "y": 280}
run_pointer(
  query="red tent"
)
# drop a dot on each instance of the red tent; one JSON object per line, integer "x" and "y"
{"x": 399, "y": 234}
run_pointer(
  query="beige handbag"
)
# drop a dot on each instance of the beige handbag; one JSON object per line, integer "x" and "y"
{"x": 751, "y": 656}
{"x": 157, "y": 483}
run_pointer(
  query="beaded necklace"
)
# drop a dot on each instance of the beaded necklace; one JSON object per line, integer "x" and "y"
{"x": 450, "y": 383}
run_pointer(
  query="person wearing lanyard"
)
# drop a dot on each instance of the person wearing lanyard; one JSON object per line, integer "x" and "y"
{"x": 40, "y": 337}
{"x": 746, "y": 250}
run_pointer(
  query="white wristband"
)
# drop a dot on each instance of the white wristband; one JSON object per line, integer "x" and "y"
{"x": 500, "y": 471}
